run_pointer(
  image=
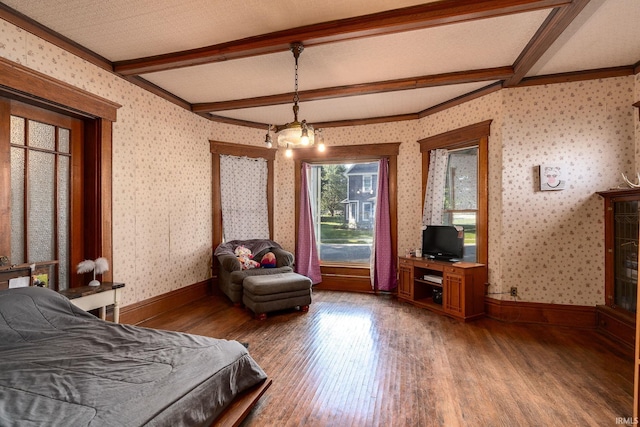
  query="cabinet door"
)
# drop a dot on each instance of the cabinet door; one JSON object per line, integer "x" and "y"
{"x": 453, "y": 294}
{"x": 405, "y": 281}
{"x": 625, "y": 254}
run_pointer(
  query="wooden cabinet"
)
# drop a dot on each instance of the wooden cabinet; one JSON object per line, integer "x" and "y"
{"x": 617, "y": 317}
{"x": 621, "y": 248}
{"x": 454, "y": 289}
{"x": 404, "y": 288}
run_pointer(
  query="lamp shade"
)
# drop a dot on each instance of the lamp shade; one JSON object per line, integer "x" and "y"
{"x": 291, "y": 134}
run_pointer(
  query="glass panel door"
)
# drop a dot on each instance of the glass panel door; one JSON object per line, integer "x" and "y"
{"x": 626, "y": 254}
{"x": 40, "y": 195}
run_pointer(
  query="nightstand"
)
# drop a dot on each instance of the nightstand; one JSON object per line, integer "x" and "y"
{"x": 92, "y": 297}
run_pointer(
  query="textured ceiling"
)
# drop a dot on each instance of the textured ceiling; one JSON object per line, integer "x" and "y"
{"x": 460, "y": 37}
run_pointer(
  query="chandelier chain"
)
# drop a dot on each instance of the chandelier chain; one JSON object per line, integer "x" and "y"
{"x": 296, "y": 98}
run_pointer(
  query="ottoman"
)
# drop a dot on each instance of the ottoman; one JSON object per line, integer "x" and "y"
{"x": 262, "y": 294}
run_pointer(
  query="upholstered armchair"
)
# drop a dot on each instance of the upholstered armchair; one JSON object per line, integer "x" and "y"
{"x": 230, "y": 272}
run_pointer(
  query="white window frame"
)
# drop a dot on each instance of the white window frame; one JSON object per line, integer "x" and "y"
{"x": 369, "y": 212}
{"x": 365, "y": 188}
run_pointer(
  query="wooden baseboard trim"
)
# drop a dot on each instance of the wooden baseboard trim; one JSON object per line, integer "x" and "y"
{"x": 345, "y": 278}
{"x": 617, "y": 325}
{"x": 143, "y": 310}
{"x": 575, "y": 316}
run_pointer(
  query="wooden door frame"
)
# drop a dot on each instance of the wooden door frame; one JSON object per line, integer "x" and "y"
{"x": 23, "y": 84}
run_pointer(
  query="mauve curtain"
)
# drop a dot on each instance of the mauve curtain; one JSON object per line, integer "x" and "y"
{"x": 244, "y": 207}
{"x": 307, "y": 262}
{"x": 434, "y": 193}
{"x": 383, "y": 269}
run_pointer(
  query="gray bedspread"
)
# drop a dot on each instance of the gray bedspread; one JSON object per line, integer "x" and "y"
{"x": 62, "y": 366}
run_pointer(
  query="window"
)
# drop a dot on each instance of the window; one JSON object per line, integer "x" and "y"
{"x": 367, "y": 212}
{"x": 218, "y": 149}
{"x": 343, "y": 276}
{"x": 467, "y": 146}
{"x": 461, "y": 196}
{"x": 342, "y": 211}
{"x": 367, "y": 185}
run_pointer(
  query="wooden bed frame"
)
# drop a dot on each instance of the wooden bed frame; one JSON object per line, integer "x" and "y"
{"x": 238, "y": 410}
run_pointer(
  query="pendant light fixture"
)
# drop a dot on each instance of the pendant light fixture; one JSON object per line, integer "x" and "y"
{"x": 297, "y": 133}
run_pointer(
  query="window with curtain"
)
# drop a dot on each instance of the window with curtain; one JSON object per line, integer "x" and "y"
{"x": 244, "y": 207}
{"x": 343, "y": 197}
{"x": 455, "y": 184}
{"x": 451, "y": 197}
{"x": 461, "y": 196}
{"x": 349, "y": 275}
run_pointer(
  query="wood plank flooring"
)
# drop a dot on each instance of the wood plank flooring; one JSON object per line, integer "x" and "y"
{"x": 366, "y": 360}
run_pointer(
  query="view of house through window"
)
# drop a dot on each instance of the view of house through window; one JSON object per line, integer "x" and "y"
{"x": 343, "y": 199}
{"x": 461, "y": 196}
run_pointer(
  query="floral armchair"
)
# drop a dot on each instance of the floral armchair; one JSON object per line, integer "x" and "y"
{"x": 230, "y": 272}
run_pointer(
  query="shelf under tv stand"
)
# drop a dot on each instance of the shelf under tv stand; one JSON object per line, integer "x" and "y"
{"x": 462, "y": 287}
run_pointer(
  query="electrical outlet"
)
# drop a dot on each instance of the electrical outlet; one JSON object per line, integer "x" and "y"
{"x": 514, "y": 291}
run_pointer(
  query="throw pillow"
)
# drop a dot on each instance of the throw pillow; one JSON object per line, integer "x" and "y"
{"x": 268, "y": 260}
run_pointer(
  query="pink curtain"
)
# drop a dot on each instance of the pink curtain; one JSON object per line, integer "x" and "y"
{"x": 307, "y": 262}
{"x": 383, "y": 269}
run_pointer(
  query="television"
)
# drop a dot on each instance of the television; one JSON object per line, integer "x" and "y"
{"x": 445, "y": 242}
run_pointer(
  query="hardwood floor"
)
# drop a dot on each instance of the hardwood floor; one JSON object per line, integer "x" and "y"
{"x": 366, "y": 360}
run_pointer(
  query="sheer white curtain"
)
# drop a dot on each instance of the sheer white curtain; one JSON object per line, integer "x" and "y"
{"x": 434, "y": 193}
{"x": 243, "y": 192}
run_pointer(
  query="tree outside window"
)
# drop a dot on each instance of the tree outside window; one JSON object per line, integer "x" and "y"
{"x": 343, "y": 197}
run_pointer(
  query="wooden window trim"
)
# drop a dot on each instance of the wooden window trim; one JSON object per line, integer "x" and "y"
{"x": 468, "y": 136}
{"x": 340, "y": 276}
{"x": 219, "y": 148}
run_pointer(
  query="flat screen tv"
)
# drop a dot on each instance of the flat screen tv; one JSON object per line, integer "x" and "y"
{"x": 444, "y": 242}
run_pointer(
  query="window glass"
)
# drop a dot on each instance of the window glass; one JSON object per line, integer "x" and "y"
{"x": 366, "y": 183}
{"x": 461, "y": 196}
{"x": 343, "y": 198}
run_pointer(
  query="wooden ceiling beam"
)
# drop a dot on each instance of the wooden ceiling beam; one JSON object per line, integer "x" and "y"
{"x": 410, "y": 18}
{"x": 555, "y": 24}
{"x": 461, "y": 99}
{"x": 460, "y": 77}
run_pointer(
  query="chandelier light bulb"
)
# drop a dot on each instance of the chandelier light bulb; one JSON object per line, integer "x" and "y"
{"x": 321, "y": 147}
{"x": 268, "y": 140}
{"x": 288, "y": 152}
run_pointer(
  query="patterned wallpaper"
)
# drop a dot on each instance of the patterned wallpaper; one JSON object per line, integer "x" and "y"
{"x": 557, "y": 236}
{"x": 162, "y": 172}
{"x": 549, "y": 244}
{"x": 636, "y": 98}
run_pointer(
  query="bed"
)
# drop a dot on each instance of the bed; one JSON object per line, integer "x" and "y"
{"x": 60, "y": 365}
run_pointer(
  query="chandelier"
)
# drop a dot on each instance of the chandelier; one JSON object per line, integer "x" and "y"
{"x": 295, "y": 134}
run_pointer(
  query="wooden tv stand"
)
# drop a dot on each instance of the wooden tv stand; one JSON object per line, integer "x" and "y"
{"x": 462, "y": 286}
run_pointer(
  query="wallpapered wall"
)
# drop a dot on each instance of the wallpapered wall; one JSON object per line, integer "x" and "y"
{"x": 636, "y": 98}
{"x": 162, "y": 172}
{"x": 162, "y": 177}
{"x": 557, "y": 236}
